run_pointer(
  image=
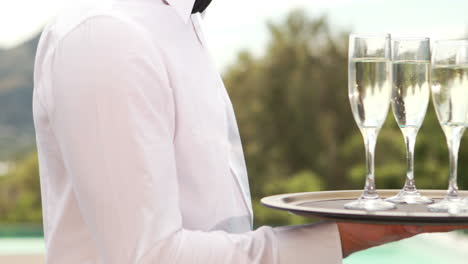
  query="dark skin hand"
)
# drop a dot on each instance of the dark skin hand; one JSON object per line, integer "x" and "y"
{"x": 356, "y": 237}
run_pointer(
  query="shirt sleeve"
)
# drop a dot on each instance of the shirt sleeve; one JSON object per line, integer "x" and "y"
{"x": 112, "y": 112}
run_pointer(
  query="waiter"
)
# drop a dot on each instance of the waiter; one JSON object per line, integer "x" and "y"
{"x": 139, "y": 152}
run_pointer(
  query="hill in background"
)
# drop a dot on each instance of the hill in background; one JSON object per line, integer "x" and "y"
{"x": 16, "y": 83}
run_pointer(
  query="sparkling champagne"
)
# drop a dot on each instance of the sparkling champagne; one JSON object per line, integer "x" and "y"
{"x": 450, "y": 93}
{"x": 369, "y": 91}
{"x": 410, "y": 93}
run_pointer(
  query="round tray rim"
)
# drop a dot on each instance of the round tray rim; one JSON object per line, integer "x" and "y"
{"x": 292, "y": 203}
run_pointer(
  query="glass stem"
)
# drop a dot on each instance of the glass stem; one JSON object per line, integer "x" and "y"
{"x": 410, "y": 139}
{"x": 370, "y": 138}
{"x": 453, "y": 135}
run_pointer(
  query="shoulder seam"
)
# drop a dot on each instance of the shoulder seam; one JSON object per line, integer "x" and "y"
{"x": 102, "y": 15}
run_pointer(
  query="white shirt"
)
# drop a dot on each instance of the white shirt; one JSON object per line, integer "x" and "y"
{"x": 139, "y": 153}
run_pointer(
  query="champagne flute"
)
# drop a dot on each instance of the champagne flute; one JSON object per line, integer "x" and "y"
{"x": 410, "y": 97}
{"x": 450, "y": 97}
{"x": 369, "y": 91}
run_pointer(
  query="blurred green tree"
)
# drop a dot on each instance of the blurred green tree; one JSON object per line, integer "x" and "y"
{"x": 294, "y": 117}
{"x": 20, "y": 198}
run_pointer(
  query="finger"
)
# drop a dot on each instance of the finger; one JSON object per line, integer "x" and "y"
{"x": 407, "y": 231}
{"x": 413, "y": 230}
{"x": 437, "y": 229}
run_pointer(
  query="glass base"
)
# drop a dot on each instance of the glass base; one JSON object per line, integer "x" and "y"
{"x": 370, "y": 204}
{"x": 452, "y": 206}
{"x": 405, "y": 197}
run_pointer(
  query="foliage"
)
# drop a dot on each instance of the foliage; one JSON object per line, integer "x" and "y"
{"x": 294, "y": 116}
{"x": 20, "y": 199}
{"x": 303, "y": 181}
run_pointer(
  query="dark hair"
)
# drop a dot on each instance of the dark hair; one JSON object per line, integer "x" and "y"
{"x": 200, "y": 6}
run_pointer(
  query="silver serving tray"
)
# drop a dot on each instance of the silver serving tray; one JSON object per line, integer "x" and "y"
{"x": 329, "y": 205}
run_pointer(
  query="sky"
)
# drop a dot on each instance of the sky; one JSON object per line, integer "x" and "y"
{"x": 233, "y": 25}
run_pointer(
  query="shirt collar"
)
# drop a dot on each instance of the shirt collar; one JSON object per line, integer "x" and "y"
{"x": 182, "y": 7}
